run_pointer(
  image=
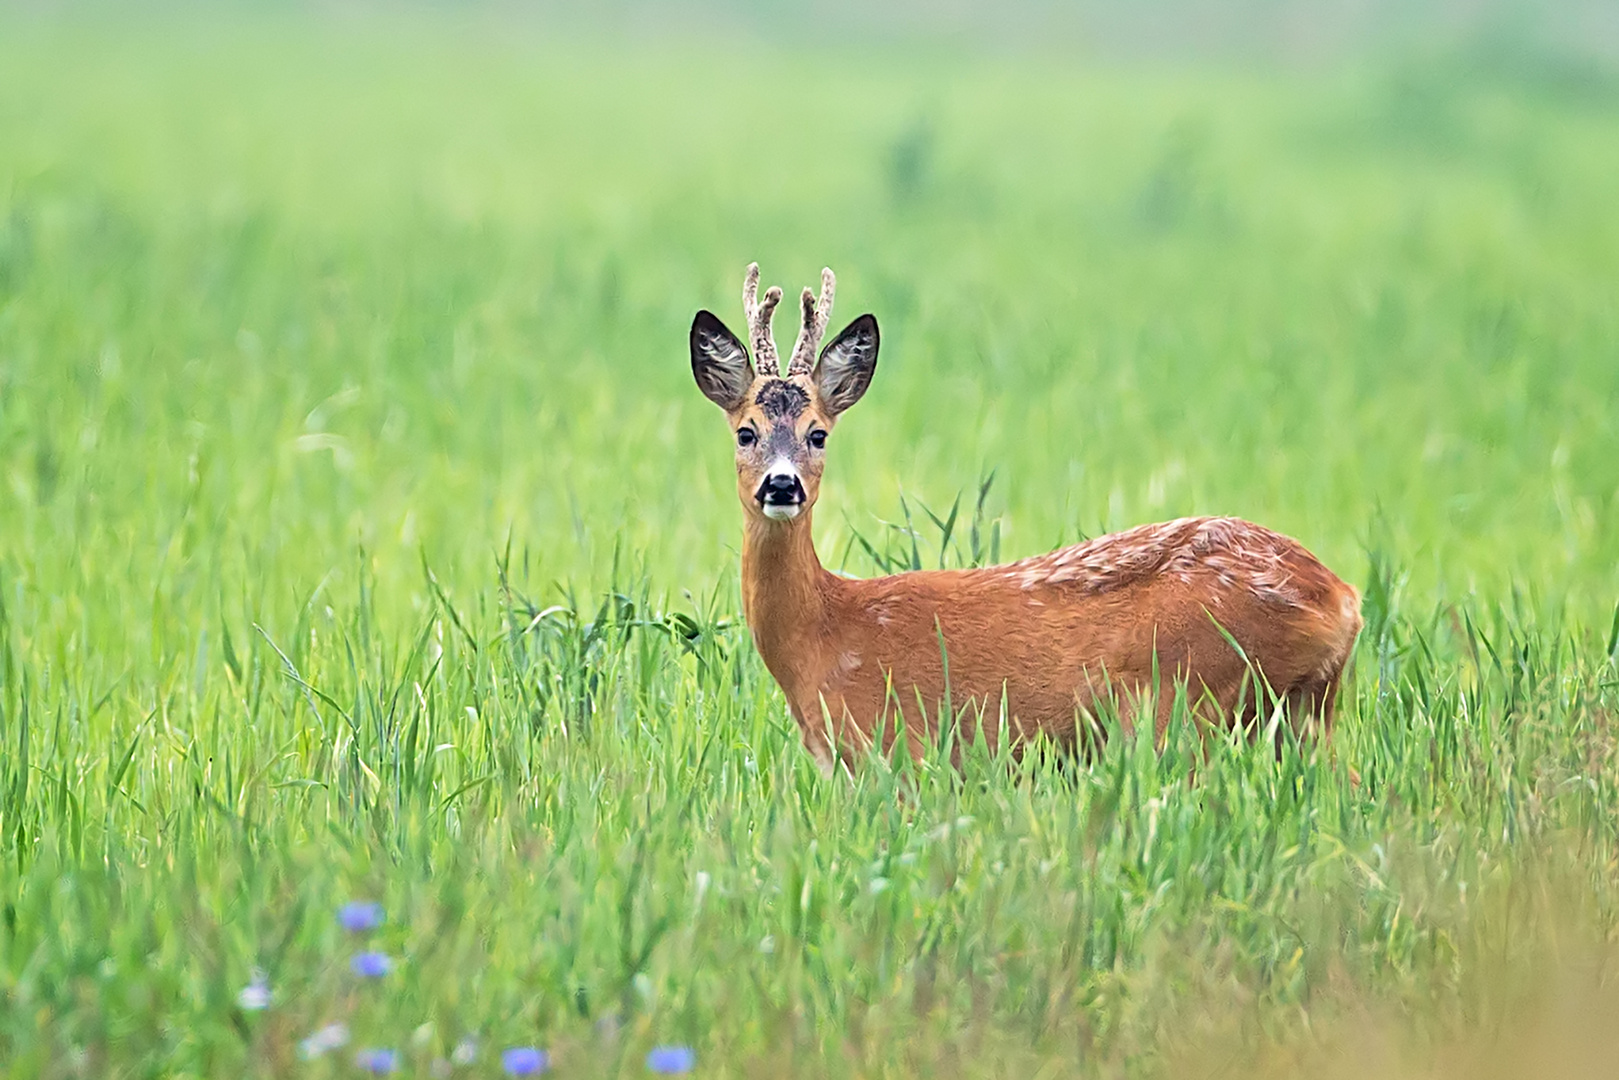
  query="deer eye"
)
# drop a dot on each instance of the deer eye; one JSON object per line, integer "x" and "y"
{"x": 746, "y": 436}
{"x": 817, "y": 439}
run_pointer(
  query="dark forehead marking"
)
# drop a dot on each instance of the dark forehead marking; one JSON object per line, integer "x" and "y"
{"x": 780, "y": 398}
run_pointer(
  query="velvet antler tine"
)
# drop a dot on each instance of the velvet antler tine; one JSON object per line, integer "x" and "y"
{"x": 764, "y": 343}
{"x": 806, "y": 335}
{"x": 750, "y": 291}
{"x": 817, "y": 314}
{"x": 829, "y": 287}
{"x": 765, "y": 360}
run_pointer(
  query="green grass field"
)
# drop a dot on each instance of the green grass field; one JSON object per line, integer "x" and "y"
{"x": 362, "y": 536}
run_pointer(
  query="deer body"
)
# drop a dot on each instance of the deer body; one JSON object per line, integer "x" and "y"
{"x": 1036, "y": 644}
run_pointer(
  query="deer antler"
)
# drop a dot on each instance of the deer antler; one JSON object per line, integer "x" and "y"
{"x": 765, "y": 360}
{"x": 816, "y": 315}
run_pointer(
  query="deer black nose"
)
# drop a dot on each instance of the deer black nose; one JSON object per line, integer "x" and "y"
{"x": 781, "y": 489}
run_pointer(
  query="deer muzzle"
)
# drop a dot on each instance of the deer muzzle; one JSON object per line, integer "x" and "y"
{"x": 781, "y": 492}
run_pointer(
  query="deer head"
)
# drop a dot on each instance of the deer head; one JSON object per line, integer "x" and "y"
{"x": 781, "y": 421}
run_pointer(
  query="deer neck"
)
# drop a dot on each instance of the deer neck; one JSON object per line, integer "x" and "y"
{"x": 784, "y": 596}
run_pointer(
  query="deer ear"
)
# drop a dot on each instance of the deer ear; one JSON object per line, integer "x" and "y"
{"x": 846, "y": 365}
{"x": 719, "y": 362}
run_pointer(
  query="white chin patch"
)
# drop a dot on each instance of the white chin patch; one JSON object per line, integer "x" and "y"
{"x": 782, "y": 513}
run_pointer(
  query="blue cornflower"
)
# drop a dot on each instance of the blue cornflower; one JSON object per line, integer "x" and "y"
{"x": 378, "y": 1061}
{"x": 671, "y": 1060}
{"x": 371, "y": 965}
{"x": 358, "y": 916}
{"x": 525, "y": 1061}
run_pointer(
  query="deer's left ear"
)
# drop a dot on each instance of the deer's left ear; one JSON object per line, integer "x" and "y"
{"x": 846, "y": 365}
{"x": 719, "y": 362}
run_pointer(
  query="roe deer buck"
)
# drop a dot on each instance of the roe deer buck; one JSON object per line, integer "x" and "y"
{"x": 1046, "y": 638}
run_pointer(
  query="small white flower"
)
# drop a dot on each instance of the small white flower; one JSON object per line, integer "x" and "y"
{"x": 465, "y": 1052}
{"x": 256, "y": 994}
{"x": 330, "y": 1037}
{"x": 254, "y": 997}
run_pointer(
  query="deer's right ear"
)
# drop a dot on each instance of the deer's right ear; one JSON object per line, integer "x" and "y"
{"x": 719, "y": 362}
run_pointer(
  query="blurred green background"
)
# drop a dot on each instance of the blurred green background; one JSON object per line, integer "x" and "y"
{"x": 280, "y": 284}
{"x": 325, "y": 327}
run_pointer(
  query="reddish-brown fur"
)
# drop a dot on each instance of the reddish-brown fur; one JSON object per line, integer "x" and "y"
{"x": 1229, "y": 609}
